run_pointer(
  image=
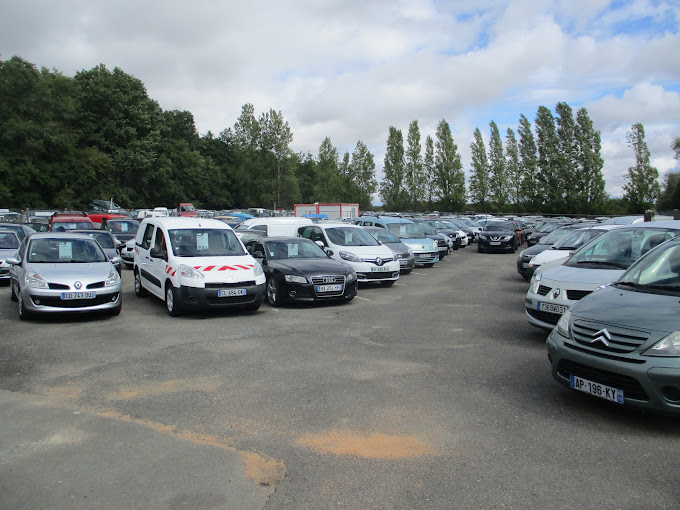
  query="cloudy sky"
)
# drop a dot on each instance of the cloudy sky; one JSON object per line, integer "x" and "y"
{"x": 350, "y": 69}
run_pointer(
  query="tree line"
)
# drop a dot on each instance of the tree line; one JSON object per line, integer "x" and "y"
{"x": 67, "y": 140}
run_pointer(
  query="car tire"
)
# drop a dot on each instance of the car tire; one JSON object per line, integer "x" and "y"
{"x": 349, "y": 298}
{"x": 12, "y": 294}
{"x": 172, "y": 303}
{"x": 480, "y": 249}
{"x": 24, "y": 314}
{"x": 429, "y": 265}
{"x": 407, "y": 271}
{"x": 388, "y": 283}
{"x": 273, "y": 292}
{"x": 514, "y": 247}
{"x": 253, "y": 307}
{"x": 139, "y": 290}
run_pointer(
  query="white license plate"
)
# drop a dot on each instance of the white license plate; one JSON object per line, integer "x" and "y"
{"x": 328, "y": 288}
{"x": 549, "y": 307}
{"x": 77, "y": 295}
{"x": 495, "y": 243}
{"x": 231, "y": 292}
{"x": 383, "y": 269}
{"x": 596, "y": 389}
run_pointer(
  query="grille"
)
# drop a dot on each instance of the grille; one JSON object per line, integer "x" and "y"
{"x": 622, "y": 340}
{"x": 630, "y": 386}
{"x": 225, "y": 285}
{"x": 100, "y": 299}
{"x": 58, "y": 286}
{"x": 328, "y": 280}
{"x": 575, "y": 295}
{"x": 543, "y": 290}
{"x": 549, "y": 317}
{"x": 376, "y": 276}
{"x": 98, "y": 285}
{"x": 385, "y": 261}
{"x": 231, "y": 300}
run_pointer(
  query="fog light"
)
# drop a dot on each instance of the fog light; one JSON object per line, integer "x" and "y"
{"x": 292, "y": 293}
{"x": 671, "y": 393}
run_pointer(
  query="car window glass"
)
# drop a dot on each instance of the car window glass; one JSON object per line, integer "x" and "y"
{"x": 54, "y": 251}
{"x": 159, "y": 241}
{"x": 8, "y": 241}
{"x": 205, "y": 243}
{"x": 660, "y": 268}
{"x": 148, "y": 235}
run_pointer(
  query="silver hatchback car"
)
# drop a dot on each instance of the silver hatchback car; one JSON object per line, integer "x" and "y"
{"x": 63, "y": 273}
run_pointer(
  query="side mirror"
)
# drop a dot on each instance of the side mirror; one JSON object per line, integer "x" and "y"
{"x": 258, "y": 255}
{"x": 157, "y": 254}
{"x": 320, "y": 244}
{"x": 329, "y": 252}
{"x": 13, "y": 261}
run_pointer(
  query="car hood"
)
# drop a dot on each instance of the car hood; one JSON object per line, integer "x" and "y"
{"x": 625, "y": 307}
{"x": 568, "y": 274}
{"x": 365, "y": 252}
{"x": 534, "y": 250}
{"x": 123, "y": 238}
{"x": 8, "y": 253}
{"x": 308, "y": 266}
{"x": 72, "y": 271}
{"x": 550, "y": 256}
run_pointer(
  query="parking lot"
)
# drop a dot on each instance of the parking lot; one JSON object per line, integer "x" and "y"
{"x": 434, "y": 393}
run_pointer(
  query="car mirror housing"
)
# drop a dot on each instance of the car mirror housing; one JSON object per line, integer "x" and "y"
{"x": 13, "y": 261}
{"x": 156, "y": 253}
{"x": 329, "y": 252}
{"x": 258, "y": 255}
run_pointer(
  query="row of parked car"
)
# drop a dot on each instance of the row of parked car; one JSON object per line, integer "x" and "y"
{"x": 609, "y": 296}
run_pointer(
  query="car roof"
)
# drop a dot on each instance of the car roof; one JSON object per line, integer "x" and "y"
{"x": 336, "y": 224}
{"x": 185, "y": 222}
{"x": 59, "y": 235}
{"x": 387, "y": 219}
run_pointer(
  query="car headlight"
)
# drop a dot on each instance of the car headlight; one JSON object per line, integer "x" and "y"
{"x": 257, "y": 269}
{"x": 482, "y": 236}
{"x": 399, "y": 256}
{"x": 563, "y": 326}
{"x": 295, "y": 279}
{"x": 535, "y": 283}
{"x": 507, "y": 238}
{"x": 668, "y": 346}
{"x": 351, "y": 277}
{"x": 189, "y": 272}
{"x": 410, "y": 252}
{"x": 345, "y": 255}
{"x": 113, "y": 279}
{"x": 532, "y": 262}
{"x": 34, "y": 280}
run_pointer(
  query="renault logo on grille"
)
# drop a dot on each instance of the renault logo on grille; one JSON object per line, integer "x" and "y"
{"x": 378, "y": 261}
{"x": 77, "y": 285}
{"x": 602, "y": 336}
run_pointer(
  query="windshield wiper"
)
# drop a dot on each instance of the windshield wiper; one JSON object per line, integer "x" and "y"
{"x": 631, "y": 284}
{"x": 602, "y": 263}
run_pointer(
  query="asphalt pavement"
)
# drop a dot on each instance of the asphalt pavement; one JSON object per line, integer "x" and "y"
{"x": 433, "y": 393}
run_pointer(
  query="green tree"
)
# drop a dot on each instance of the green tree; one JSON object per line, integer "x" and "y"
{"x": 498, "y": 178}
{"x": 548, "y": 161}
{"x": 479, "y": 174}
{"x": 642, "y": 186}
{"x": 392, "y": 190}
{"x": 276, "y": 137}
{"x": 676, "y": 147}
{"x": 513, "y": 169}
{"x": 529, "y": 192}
{"x": 590, "y": 187}
{"x": 670, "y": 194}
{"x": 448, "y": 169}
{"x": 414, "y": 176}
{"x": 329, "y": 186}
{"x": 429, "y": 172}
{"x": 362, "y": 175}
{"x": 567, "y": 157}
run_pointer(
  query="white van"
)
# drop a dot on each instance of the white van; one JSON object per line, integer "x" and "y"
{"x": 276, "y": 226}
{"x": 372, "y": 260}
{"x": 195, "y": 263}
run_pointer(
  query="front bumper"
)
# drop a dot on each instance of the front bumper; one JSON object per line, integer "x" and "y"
{"x": 540, "y": 306}
{"x": 426, "y": 257}
{"x": 306, "y": 292}
{"x": 485, "y": 244}
{"x": 50, "y": 301}
{"x": 197, "y": 298}
{"x": 647, "y": 383}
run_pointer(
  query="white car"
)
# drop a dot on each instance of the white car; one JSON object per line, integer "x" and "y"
{"x": 555, "y": 289}
{"x": 372, "y": 260}
{"x": 196, "y": 263}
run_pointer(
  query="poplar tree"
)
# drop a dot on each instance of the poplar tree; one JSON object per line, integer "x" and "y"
{"x": 529, "y": 190}
{"x": 429, "y": 171}
{"x": 642, "y": 187}
{"x": 567, "y": 160}
{"x": 548, "y": 160}
{"x": 392, "y": 186}
{"x": 362, "y": 175}
{"x": 329, "y": 185}
{"x": 449, "y": 176}
{"x": 498, "y": 180}
{"x": 513, "y": 168}
{"x": 479, "y": 174}
{"x": 590, "y": 193}
{"x": 415, "y": 179}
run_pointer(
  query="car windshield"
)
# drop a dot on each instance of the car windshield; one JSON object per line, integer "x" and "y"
{"x": 294, "y": 249}
{"x": 618, "y": 249}
{"x": 454, "y": 224}
{"x": 187, "y": 208}
{"x": 63, "y": 226}
{"x": 659, "y": 270}
{"x": 122, "y": 227}
{"x": 103, "y": 238}
{"x": 549, "y": 227}
{"x": 384, "y": 236}
{"x": 56, "y": 251}
{"x": 406, "y": 230}
{"x": 497, "y": 226}
{"x": 9, "y": 241}
{"x": 576, "y": 239}
{"x": 197, "y": 242}
{"x": 437, "y": 224}
{"x": 553, "y": 236}
{"x": 428, "y": 229}
{"x": 347, "y": 236}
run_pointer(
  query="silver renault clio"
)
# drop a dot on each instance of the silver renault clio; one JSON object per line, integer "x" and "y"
{"x": 63, "y": 273}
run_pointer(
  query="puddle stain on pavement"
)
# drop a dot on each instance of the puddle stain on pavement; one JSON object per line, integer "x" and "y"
{"x": 366, "y": 446}
{"x": 264, "y": 470}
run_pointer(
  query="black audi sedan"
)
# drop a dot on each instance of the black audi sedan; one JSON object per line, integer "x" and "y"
{"x": 299, "y": 270}
{"x": 497, "y": 235}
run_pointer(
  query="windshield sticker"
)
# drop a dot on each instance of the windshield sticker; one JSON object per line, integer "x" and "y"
{"x": 65, "y": 251}
{"x": 202, "y": 241}
{"x": 293, "y": 250}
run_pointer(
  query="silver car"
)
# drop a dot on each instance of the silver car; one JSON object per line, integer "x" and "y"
{"x": 63, "y": 273}
{"x": 9, "y": 244}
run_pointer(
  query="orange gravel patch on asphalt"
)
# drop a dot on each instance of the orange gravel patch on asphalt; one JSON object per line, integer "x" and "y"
{"x": 161, "y": 388}
{"x": 366, "y": 446}
{"x": 264, "y": 470}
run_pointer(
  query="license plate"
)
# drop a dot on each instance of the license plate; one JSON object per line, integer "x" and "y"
{"x": 383, "y": 269}
{"x": 549, "y": 307}
{"x": 77, "y": 295}
{"x": 328, "y": 288}
{"x": 596, "y": 389}
{"x": 231, "y": 292}
{"x": 495, "y": 243}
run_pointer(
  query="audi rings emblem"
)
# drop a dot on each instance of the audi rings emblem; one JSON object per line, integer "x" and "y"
{"x": 329, "y": 279}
